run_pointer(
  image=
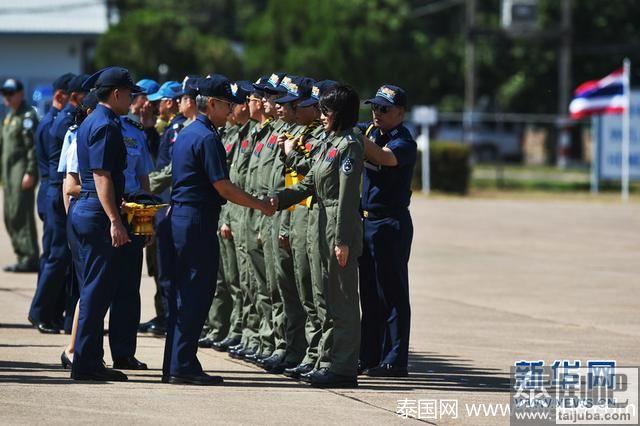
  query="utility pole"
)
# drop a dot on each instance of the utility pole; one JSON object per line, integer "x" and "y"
{"x": 470, "y": 70}
{"x": 564, "y": 86}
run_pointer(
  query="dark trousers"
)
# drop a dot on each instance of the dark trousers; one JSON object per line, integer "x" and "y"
{"x": 384, "y": 291}
{"x": 49, "y": 300}
{"x": 125, "y": 307}
{"x": 164, "y": 260}
{"x": 193, "y": 284}
{"x": 98, "y": 271}
{"x": 41, "y": 207}
{"x": 73, "y": 285}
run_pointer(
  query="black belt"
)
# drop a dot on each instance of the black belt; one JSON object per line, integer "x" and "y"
{"x": 382, "y": 214}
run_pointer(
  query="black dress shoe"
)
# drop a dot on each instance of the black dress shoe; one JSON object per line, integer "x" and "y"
{"x": 159, "y": 328}
{"x": 46, "y": 328}
{"x": 252, "y": 358}
{"x": 205, "y": 342}
{"x": 272, "y": 362}
{"x": 306, "y": 377}
{"x": 386, "y": 370}
{"x": 129, "y": 363}
{"x": 199, "y": 379}
{"x": 22, "y": 268}
{"x": 324, "y": 378}
{"x": 106, "y": 375}
{"x": 144, "y": 326}
{"x": 224, "y": 345}
{"x": 247, "y": 352}
{"x": 65, "y": 361}
{"x": 298, "y": 370}
{"x": 280, "y": 368}
{"x": 235, "y": 352}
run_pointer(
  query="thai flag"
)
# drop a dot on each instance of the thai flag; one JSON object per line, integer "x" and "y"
{"x": 605, "y": 96}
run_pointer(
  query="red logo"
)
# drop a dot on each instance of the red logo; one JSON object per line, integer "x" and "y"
{"x": 272, "y": 141}
{"x": 331, "y": 155}
{"x": 307, "y": 146}
{"x": 228, "y": 147}
{"x": 244, "y": 145}
{"x": 258, "y": 149}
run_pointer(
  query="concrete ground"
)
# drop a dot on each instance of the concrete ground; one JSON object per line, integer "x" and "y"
{"x": 493, "y": 281}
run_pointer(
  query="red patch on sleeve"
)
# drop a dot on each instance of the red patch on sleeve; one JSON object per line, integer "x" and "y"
{"x": 258, "y": 149}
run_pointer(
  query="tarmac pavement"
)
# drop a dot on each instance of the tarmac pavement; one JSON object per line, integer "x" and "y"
{"x": 493, "y": 281}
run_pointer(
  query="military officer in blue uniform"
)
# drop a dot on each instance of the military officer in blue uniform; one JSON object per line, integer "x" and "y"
{"x": 42, "y": 136}
{"x": 125, "y": 308}
{"x": 390, "y": 156}
{"x": 54, "y": 281}
{"x": 200, "y": 185}
{"x": 96, "y": 218}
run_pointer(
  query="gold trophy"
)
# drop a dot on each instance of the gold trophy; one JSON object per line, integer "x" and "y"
{"x": 140, "y": 216}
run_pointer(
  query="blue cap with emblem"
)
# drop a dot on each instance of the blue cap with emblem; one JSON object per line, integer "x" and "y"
{"x": 316, "y": 91}
{"x": 169, "y": 90}
{"x": 189, "y": 86}
{"x": 11, "y": 85}
{"x": 148, "y": 86}
{"x": 241, "y": 90}
{"x": 297, "y": 88}
{"x": 116, "y": 77}
{"x": 217, "y": 86}
{"x": 271, "y": 84}
{"x": 76, "y": 83}
{"x": 389, "y": 95}
{"x": 62, "y": 82}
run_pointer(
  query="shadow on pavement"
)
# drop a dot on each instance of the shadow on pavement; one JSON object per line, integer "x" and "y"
{"x": 8, "y": 325}
{"x": 428, "y": 370}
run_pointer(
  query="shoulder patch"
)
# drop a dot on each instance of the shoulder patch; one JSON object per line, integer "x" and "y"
{"x": 27, "y": 123}
{"x": 347, "y": 166}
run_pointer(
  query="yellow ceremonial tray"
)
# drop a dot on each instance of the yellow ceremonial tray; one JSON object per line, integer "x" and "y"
{"x": 140, "y": 216}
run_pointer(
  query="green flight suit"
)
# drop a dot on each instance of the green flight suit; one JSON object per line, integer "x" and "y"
{"x": 335, "y": 181}
{"x": 308, "y": 277}
{"x": 263, "y": 341}
{"x": 289, "y": 317}
{"x": 18, "y": 158}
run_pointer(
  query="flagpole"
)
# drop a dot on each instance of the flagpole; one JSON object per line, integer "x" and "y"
{"x": 626, "y": 123}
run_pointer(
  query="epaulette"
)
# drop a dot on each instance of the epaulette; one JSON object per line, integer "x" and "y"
{"x": 73, "y": 127}
{"x": 134, "y": 123}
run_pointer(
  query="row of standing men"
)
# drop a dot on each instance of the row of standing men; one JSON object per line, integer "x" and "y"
{"x": 287, "y": 289}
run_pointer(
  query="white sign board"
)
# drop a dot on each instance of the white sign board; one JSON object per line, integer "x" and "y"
{"x": 609, "y": 134}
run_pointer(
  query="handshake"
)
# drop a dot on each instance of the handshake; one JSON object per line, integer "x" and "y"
{"x": 268, "y": 205}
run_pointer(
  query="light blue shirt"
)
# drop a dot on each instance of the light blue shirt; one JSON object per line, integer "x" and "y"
{"x": 139, "y": 161}
{"x": 69, "y": 161}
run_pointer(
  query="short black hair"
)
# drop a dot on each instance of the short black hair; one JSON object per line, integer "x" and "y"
{"x": 102, "y": 93}
{"x": 344, "y": 101}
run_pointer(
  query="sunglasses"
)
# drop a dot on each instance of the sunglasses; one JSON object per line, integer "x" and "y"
{"x": 380, "y": 109}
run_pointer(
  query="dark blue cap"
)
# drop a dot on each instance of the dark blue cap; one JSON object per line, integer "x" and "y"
{"x": 75, "y": 84}
{"x": 189, "y": 86}
{"x": 148, "y": 86}
{"x": 317, "y": 90}
{"x": 11, "y": 85}
{"x": 297, "y": 88}
{"x": 241, "y": 90}
{"x": 270, "y": 84}
{"x": 91, "y": 100}
{"x": 62, "y": 82}
{"x": 169, "y": 90}
{"x": 389, "y": 95}
{"x": 111, "y": 77}
{"x": 217, "y": 86}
